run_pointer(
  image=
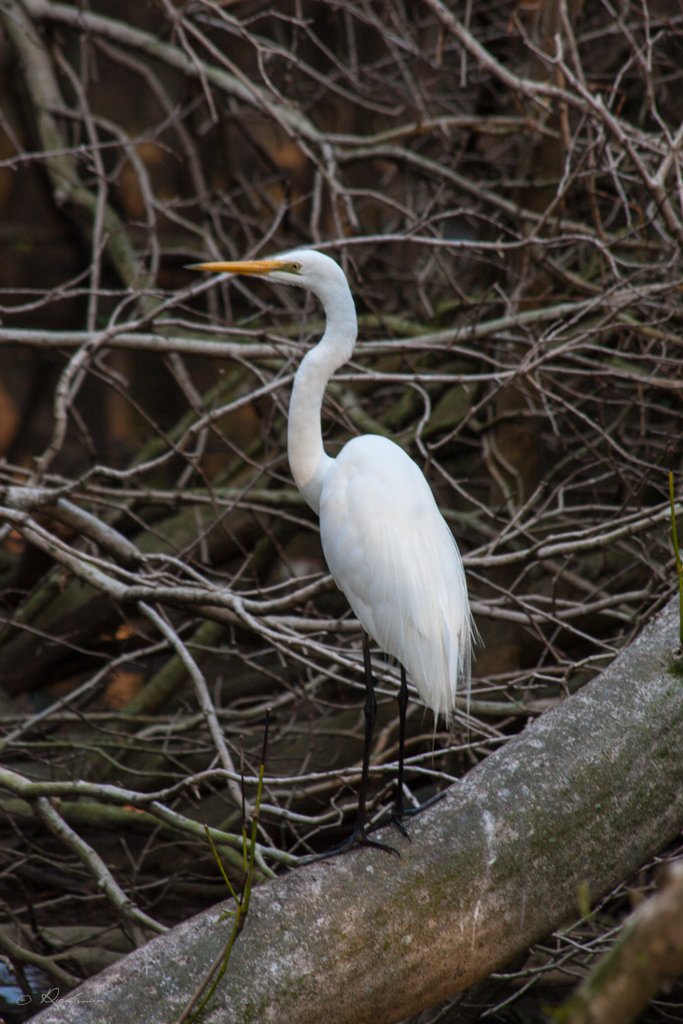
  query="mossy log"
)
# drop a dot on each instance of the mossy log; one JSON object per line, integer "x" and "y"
{"x": 581, "y": 798}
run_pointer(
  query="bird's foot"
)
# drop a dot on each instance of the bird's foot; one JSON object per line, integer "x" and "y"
{"x": 359, "y": 837}
{"x": 400, "y": 812}
{"x": 397, "y": 820}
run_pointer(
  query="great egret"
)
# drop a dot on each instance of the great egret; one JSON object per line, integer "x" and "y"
{"x": 385, "y": 541}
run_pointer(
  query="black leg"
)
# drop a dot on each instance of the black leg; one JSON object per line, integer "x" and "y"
{"x": 399, "y": 808}
{"x": 400, "y": 812}
{"x": 370, "y": 717}
{"x": 359, "y": 836}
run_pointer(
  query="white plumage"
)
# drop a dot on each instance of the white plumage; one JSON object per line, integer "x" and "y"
{"x": 391, "y": 552}
{"x": 387, "y": 545}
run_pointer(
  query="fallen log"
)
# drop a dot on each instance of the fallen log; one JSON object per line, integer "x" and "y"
{"x": 581, "y": 798}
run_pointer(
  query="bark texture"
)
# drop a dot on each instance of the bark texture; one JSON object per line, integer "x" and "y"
{"x": 584, "y": 795}
{"x": 647, "y": 958}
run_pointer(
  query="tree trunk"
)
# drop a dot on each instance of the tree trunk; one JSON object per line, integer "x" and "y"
{"x": 584, "y": 795}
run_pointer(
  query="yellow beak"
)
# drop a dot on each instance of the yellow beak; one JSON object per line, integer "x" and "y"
{"x": 241, "y": 266}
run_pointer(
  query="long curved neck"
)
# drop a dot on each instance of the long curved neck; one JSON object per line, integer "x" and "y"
{"x": 307, "y": 459}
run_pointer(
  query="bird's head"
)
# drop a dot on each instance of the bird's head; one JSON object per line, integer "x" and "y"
{"x": 306, "y": 268}
{"x": 314, "y": 271}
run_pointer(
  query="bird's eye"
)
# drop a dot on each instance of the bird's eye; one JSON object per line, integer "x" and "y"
{"x": 295, "y": 267}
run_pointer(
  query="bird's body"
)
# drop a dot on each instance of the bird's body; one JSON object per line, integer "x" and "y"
{"x": 392, "y": 554}
{"x": 387, "y": 545}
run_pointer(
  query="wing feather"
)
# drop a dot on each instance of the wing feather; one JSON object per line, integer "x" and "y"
{"x": 392, "y": 554}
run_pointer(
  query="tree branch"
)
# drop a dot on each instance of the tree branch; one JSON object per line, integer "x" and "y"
{"x": 580, "y": 798}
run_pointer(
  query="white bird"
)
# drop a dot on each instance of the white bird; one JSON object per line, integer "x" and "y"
{"x": 387, "y": 545}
